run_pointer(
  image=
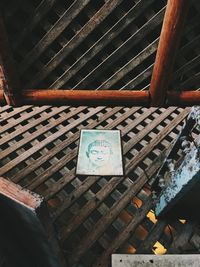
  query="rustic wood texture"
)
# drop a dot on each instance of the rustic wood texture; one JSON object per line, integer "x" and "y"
{"x": 105, "y": 44}
{"x": 170, "y": 36}
{"x": 95, "y": 216}
{"x": 86, "y": 97}
{"x": 9, "y": 78}
{"x": 186, "y": 98}
{"x": 110, "y": 98}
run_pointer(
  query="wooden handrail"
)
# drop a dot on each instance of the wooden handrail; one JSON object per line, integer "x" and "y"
{"x": 86, "y": 97}
{"x": 184, "y": 98}
{"x": 107, "y": 97}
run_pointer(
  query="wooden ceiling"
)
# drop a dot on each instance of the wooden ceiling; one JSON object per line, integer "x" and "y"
{"x": 105, "y": 45}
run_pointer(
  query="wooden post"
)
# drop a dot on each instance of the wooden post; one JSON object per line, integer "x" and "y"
{"x": 2, "y": 99}
{"x": 175, "y": 14}
{"x": 27, "y": 235}
{"x": 9, "y": 75}
{"x": 2, "y": 81}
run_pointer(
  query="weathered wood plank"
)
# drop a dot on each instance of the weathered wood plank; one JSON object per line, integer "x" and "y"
{"x": 50, "y": 171}
{"x": 132, "y": 84}
{"x": 119, "y": 52}
{"x": 82, "y": 34}
{"x": 78, "y": 38}
{"x": 104, "y": 259}
{"x": 102, "y": 194}
{"x": 64, "y": 180}
{"x": 36, "y": 122}
{"x": 152, "y": 237}
{"x": 125, "y": 21}
{"x": 90, "y": 180}
{"x": 37, "y": 16}
{"x": 133, "y": 63}
{"x": 51, "y": 35}
{"x": 148, "y": 129}
{"x": 92, "y": 204}
{"x": 101, "y": 225}
{"x": 58, "y": 148}
{"x": 13, "y": 113}
{"x": 46, "y": 141}
{"x": 19, "y": 120}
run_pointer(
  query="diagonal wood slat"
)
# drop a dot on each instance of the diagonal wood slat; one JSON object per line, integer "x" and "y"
{"x": 90, "y": 45}
{"x": 134, "y": 39}
{"x": 106, "y": 220}
{"x": 125, "y": 21}
{"x": 62, "y": 23}
{"x": 82, "y": 34}
{"x": 101, "y": 214}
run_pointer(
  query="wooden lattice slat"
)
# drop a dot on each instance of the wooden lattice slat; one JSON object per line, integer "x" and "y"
{"x": 96, "y": 45}
{"x": 39, "y": 150}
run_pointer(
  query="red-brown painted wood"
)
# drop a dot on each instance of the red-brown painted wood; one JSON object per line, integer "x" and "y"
{"x": 175, "y": 14}
{"x": 185, "y": 98}
{"x": 2, "y": 99}
{"x": 86, "y": 97}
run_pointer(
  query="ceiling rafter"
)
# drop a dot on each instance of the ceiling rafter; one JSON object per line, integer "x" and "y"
{"x": 157, "y": 95}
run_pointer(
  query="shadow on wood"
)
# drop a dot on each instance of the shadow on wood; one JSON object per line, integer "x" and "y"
{"x": 27, "y": 235}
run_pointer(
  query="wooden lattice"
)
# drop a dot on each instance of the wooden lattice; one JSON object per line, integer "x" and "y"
{"x": 96, "y": 216}
{"x": 105, "y": 44}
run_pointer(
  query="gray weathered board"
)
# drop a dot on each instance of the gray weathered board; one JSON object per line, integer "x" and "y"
{"x": 122, "y": 260}
{"x": 181, "y": 196}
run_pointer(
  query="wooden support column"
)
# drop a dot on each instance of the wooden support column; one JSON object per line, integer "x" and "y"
{"x": 2, "y": 84}
{"x": 2, "y": 99}
{"x": 27, "y": 234}
{"x": 9, "y": 75}
{"x": 175, "y": 15}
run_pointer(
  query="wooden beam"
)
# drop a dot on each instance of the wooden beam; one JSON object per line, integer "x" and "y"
{"x": 9, "y": 75}
{"x": 106, "y": 97}
{"x": 86, "y": 97}
{"x": 185, "y": 98}
{"x": 2, "y": 85}
{"x": 175, "y": 15}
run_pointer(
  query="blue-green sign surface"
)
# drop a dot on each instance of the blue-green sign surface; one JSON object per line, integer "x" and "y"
{"x": 100, "y": 153}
